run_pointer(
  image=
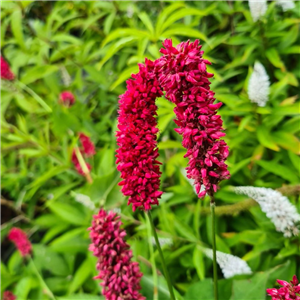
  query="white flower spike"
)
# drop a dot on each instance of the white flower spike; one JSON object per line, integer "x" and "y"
{"x": 277, "y": 207}
{"x": 286, "y": 4}
{"x": 259, "y": 85}
{"x": 230, "y": 265}
{"x": 257, "y": 8}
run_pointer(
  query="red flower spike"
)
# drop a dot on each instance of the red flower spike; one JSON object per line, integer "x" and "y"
{"x": 136, "y": 139}
{"x": 87, "y": 144}
{"x": 181, "y": 73}
{"x": 183, "y": 76}
{"x": 6, "y": 72}
{"x": 19, "y": 238}
{"x": 288, "y": 291}
{"x": 67, "y": 98}
{"x": 120, "y": 276}
{"x": 8, "y": 295}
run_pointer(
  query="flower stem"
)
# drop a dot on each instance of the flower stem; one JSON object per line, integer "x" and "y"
{"x": 83, "y": 165}
{"x": 166, "y": 273}
{"x": 213, "y": 223}
{"x": 152, "y": 259}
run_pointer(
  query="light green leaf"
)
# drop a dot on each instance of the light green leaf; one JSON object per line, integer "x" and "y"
{"x": 114, "y": 48}
{"x": 279, "y": 170}
{"x": 126, "y": 74}
{"x": 38, "y": 72}
{"x": 250, "y": 289}
{"x": 81, "y": 275}
{"x": 68, "y": 213}
{"x": 16, "y": 27}
{"x": 265, "y": 138}
{"x": 169, "y": 145}
{"x": 273, "y": 56}
{"x": 123, "y": 32}
{"x": 202, "y": 290}
{"x": 147, "y": 22}
{"x": 199, "y": 263}
{"x": 184, "y": 31}
{"x": 287, "y": 141}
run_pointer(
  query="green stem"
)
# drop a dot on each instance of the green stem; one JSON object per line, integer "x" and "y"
{"x": 83, "y": 165}
{"x": 212, "y": 207}
{"x": 43, "y": 283}
{"x": 166, "y": 273}
{"x": 152, "y": 259}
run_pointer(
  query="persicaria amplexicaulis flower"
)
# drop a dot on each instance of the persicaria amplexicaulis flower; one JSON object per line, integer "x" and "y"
{"x": 88, "y": 146}
{"x": 6, "y": 72}
{"x": 67, "y": 98}
{"x": 181, "y": 73}
{"x": 19, "y": 238}
{"x": 183, "y": 76}
{"x": 136, "y": 139}
{"x": 87, "y": 149}
{"x": 288, "y": 291}
{"x": 119, "y": 274}
{"x": 8, "y": 295}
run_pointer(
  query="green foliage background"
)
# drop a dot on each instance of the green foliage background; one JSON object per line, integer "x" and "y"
{"x": 91, "y": 48}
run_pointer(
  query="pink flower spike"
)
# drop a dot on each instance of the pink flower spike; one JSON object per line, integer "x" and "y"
{"x": 87, "y": 144}
{"x": 136, "y": 138}
{"x": 8, "y": 295}
{"x": 288, "y": 291}
{"x": 119, "y": 274}
{"x": 196, "y": 112}
{"x": 19, "y": 238}
{"x": 6, "y": 72}
{"x": 67, "y": 98}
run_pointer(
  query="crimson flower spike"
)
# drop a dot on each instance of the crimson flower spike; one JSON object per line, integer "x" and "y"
{"x": 20, "y": 239}
{"x": 183, "y": 76}
{"x": 181, "y": 73}
{"x": 119, "y": 274}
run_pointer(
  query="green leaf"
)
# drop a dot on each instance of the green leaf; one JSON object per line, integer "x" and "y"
{"x": 184, "y": 31}
{"x": 202, "y": 290}
{"x": 46, "y": 259}
{"x": 23, "y": 288}
{"x": 147, "y": 21}
{"x": 71, "y": 242}
{"x": 265, "y": 138}
{"x": 287, "y": 110}
{"x": 16, "y": 27}
{"x": 108, "y": 22}
{"x": 126, "y": 74}
{"x": 198, "y": 261}
{"x": 250, "y": 289}
{"x": 114, "y": 48}
{"x": 237, "y": 166}
{"x": 274, "y": 58}
{"x": 287, "y": 141}
{"x": 170, "y": 145}
{"x": 277, "y": 169}
{"x": 183, "y": 13}
{"x": 81, "y": 275}
{"x": 122, "y": 32}
{"x": 184, "y": 230}
{"x": 38, "y": 72}
{"x": 68, "y": 213}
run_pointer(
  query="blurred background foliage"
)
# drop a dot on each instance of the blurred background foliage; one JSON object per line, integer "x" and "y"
{"x": 90, "y": 49}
